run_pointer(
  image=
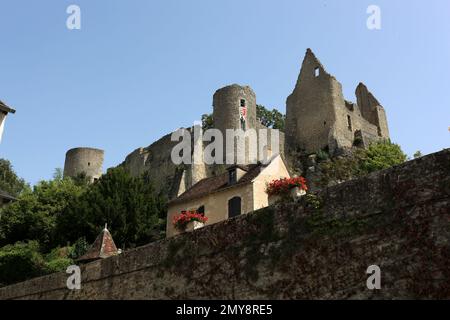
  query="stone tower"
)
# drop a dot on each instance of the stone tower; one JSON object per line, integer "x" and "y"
{"x": 84, "y": 160}
{"x": 234, "y": 107}
{"x": 228, "y": 104}
{"x": 319, "y": 118}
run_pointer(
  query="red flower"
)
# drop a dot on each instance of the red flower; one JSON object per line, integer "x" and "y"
{"x": 282, "y": 186}
{"x": 181, "y": 220}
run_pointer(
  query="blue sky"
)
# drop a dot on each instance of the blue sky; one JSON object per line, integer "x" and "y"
{"x": 139, "y": 69}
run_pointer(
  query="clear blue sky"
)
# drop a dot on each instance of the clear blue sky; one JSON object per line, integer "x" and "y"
{"x": 140, "y": 69}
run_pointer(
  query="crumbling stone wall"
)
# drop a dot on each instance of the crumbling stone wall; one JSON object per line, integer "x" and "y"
{"x": 318, "y": 248}
{"x": 318, "y": 117}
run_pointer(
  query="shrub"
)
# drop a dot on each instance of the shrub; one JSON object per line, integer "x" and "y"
{"x": 20, "y": 262}
{"x": 378, "y": 156}
{"x": 381, "y": 155}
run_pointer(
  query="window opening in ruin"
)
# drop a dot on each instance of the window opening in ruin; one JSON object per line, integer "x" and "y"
{"x": 89, "y": 164}
{"x": 243, "y": 103}
{"x": 349, "y": 121}
{"x": 316, "y": 72}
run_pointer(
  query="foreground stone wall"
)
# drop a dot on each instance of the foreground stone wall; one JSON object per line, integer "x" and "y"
{"x": 398, "y": 219}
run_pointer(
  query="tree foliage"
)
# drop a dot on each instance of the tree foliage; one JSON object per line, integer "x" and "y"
{"x": 378, "y": 156}
{"x": 33, "y": 216}
{"x": 270, "y": 118}
{"x": 207, "y": 121}
{"x": 417, "y": 154}
{"x": 9, "y": 181}
{"x": 24, "y": 260}
{"x": 129, "y": 205}
{"x": 381, "y": 155}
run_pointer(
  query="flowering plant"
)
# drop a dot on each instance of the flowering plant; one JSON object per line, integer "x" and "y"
{"x": 181, "y": 220}
{"x": 284, "y": 185}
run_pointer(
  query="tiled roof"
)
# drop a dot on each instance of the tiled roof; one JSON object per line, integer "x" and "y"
{"x": 103, "y": 247}
{"x": 218, "y": 183}
{"x": 5, "y": 108}
{"x": 6, "y": 195}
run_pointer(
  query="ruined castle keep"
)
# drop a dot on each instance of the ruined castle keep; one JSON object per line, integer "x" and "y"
{"x": 317, "y": 118}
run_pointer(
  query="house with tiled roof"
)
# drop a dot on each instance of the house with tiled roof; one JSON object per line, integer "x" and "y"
{"x": 240, "y": 190}
{"x": 5, "y": 198}
{"x": 4, "y": 110}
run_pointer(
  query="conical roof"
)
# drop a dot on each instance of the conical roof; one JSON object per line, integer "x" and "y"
{"x": 103, "y": 247}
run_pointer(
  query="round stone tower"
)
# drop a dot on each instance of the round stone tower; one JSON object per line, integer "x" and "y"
{"x": 84, "y": 160}
{"x": 234, "y": 108}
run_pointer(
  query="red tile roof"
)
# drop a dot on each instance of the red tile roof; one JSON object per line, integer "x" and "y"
{"x": 5, "y": 109}
{"x": 103, "y": 247}
{"x": 218, "y": 183}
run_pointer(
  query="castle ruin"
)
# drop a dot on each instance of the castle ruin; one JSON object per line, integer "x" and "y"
{"x": 317, "y": 118}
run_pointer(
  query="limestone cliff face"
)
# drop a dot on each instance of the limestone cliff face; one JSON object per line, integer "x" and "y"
{"x": 318, "y": 248}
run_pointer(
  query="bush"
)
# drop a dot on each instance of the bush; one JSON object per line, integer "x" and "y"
{"x": 58, "y": 265}
{"x": 79, "y": 248}
{"x": 20, "y": 262}
{"x": 381, "y": 155}
{"x": 378, "y": 156}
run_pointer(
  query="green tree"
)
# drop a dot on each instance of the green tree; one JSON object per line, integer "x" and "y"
{"x": 134, "y": 212}
{"x": 9, "y": 181}
{"x": 33, "y": 216}
{"x": 417, "y": 154}
{"x": 207, "y": 121}
{"x": 271, "y": 119}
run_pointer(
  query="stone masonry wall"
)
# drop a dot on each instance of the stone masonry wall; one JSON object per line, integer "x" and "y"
{"x": 318, "y": 248}
{"x": 318, "y": 116}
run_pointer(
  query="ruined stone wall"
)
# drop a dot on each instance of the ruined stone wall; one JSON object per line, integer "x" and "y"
{"x": 372, "y": 110}
{"x": 156, "y": 161}
{"x": 398, "y": 219}
{"x": 318, "y": 116}
{"x": 310, "y": 108}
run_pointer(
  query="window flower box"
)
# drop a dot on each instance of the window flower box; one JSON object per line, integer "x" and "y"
{"x": 189, "y": 221}
{"x": 285, "y": 188}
